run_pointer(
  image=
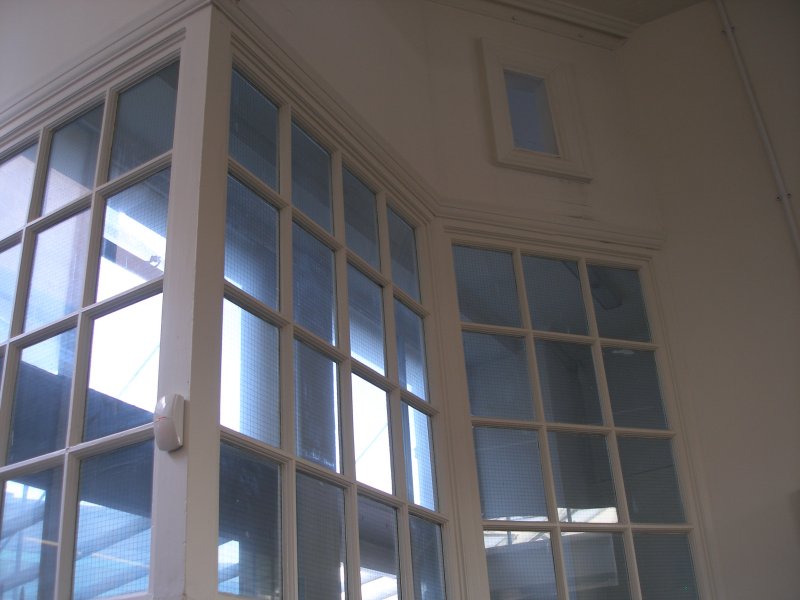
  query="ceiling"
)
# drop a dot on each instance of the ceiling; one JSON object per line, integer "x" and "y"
{"x": 635, "y": 11}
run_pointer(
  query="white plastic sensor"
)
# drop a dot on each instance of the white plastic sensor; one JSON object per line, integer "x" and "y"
{"x": 168, "y": 422}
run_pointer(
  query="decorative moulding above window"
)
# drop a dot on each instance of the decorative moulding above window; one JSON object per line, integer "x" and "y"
{"x": 534, "y": 113}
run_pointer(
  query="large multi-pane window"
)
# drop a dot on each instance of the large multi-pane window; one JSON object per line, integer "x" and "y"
{"x": 83, "y": 215}
{"x": 574, "y": 449}
{"x": 325, "y": 411}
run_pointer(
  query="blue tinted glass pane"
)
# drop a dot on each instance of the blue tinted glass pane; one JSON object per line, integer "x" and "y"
{"x": 426, "y": 559}
{"x": 361, "y": 219}
{"x": 618, "y": 303}
{"x": 554, "y": 295}
{"x": 311, "y": 177}
{"x": 403, "y": 247}
{"x": 595, "y": 565}
{"x": 651, "y": 484}
{"x": 568, "y": 383}
{"x": 16, "y": 185}
{"x": 9, "y": 270}
{"x": 253, "y": 134}
{"x": 418, "y": 451}
{"x": 665, "y": 566}
{"x": 41, "y": 398}
{"x": 487, "y": 289}
{"x": 371, "y": 435}
{"x": 380, "y": 563}
{"x": 251, "y": 243}
{"x": 531, "y": 121}
{"x": 314, "y": 285}
{"x": 410, "y": 350}
{"x": 366, "y": 320}
{"x": 520, "y": 565}
{"x": 634, "y": 389}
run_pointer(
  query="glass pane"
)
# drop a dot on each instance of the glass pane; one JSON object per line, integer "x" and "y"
{"x": 410, "y": 350}
{"x": 487, "y": 289}
{"x": 528, "y": 106}
{"x": 403, "y": 246}
{"x": 618, "y": 303}
{"x": 426, "y": 559}
{"x": 314, "y": 286}
{"x": 250, "y": 390}
{"x": 29, "y": 535}
{"x": 568, "y": 383}
{"x": 497, "y": 375}
{"x": 134, "y": 236}
{"x": 317, "y": 405}
{"x": 554, "y": 295}
{"x": 249, "y": 545}
{"x": 595, "y": 565}
{"x": 510, "y": 474}
{"x": 371, "y": 432}
{"x": 41, "y": 398}
{"x": 112, "y": 551}
{"x": 145, "y": 121}
{"x": 520, "y": 565}
{"x": 321, "y": 571}
{"x": 16, "y": 185}
{"x": 665, "y": 566}
{"x": 361, "y": 219}
{"x": 377, "y": 535}
{"x": 253, "y": 140}
{"x": 651, "y": 484}
{"x": 311, "y": 177}
{"x": 366, "y": 320}
{"x": 251, "y": 243}
{"x": 584, "y": 486}
{"x": 418, "y": 449}
{"x": 633, "y": 386}
{"x": 59, "y": 264}
{"x": 73, "y": 158}
{"x": 9, "y": 271}
{"x": 123, "y": 370}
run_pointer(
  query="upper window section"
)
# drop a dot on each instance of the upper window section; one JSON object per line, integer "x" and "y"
{"x": 311, "y": 178}
{"x": 253, "y": 138}
{"x": 16, "y": 184}
{"x": 529, "y": 108}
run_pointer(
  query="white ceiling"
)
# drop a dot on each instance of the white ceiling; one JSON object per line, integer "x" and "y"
{"x": 635, "y": 11}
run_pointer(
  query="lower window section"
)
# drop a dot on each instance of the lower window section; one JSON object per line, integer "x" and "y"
{"x": 665, "y": 566}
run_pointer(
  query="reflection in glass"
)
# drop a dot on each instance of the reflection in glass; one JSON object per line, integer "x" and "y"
{"x": 595, "y": 565}
{"x": 410, "y": 350}
{"x": 9, "y": 270}
{"x": 73, "y": 158}
{"x": 529, "y": 108}
{"x": 112, "y": 551}
{"x": 487, "y": 289}
{"x": 418, "y": 451}
{"x": 59, "y": 264}
{"x": 29, "y": 535}
{"x": 618, "y": 303}
{"x": 582, "y": 474}
{"x": 134, "y": 236}
{"x": 371, "y": 433}
{"x": 251, "y": 243}
{"x": 366, "y": 319}
{"x": 16, "y": 185}
{"x": 651, "y": 484}
{"x": 314, "y": 284}
{"x": 377, "y": 534}
{"x": 316, "y": 391}
{"x": 568, "y": 383}
{"x": 633, "y": 386}
{"x": 403, "y": 248}
{"x": 520, "y": 565}
{"x": 665, "y": 566}
{"x": 426, "y": 559}
{"x": 41, "y": 398}
{"x": 510, "y": 474}
{"x": 249, "y": 394}
{"x": 249, "y": 543}
{"x": 361, "y": 219}
{"x": 554, "y": 295}
{"x": 253, "y": 134}
{"x": 311, "y": 177}
{"x": 123, "y": 369}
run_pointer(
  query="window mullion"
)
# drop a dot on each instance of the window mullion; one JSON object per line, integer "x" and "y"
{"x": 67, "y": 527}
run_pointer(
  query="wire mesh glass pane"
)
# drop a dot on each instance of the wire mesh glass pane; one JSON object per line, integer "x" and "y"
{"x": 9, "y": 271}
{"x": 249, "y": 543}
{"x": 377, "y": 535}
{"x": 134, "y": 236}
{"x": 361, "y": 219}
{"x": 403, "y": 247}
{"x": 418, "y": 450}
{"x": 59, "y": 265}
{"x": 487, "y": 288}
{"x": 314, "y": 286}
{"x": 321, "y": 569}
{"x": 595, "y": 565}
{"x": 371, "y": 433}
{"x": 16, "y": 185}
{"x": 366, "y": 320}
{"x": 253, "y": 137}
{"x": 554, "y": 295}
{"x": 410, "y": 350}
{"x": 529, "y": 108}
{"x": 317, "y": 406}
{"x": 633, "y": 385}
{"x": 29, "y": 535}
{"x": 73, "y": 158}
{"x": 145, "y": 121}
{"x": 665, "y": 566}
{"x": 426, "y": 559}
{"x": 251, "y": 243}
{"x": 582, "y": 474}
{"x": 651, "y": 484}
{"x": 250, "y": 389}
{"x": 568, "y": 383}
{"x": 497, "y": 376}
{"x": 123, "y": 369}
{"x": 112, "y": 551}
{"x": 520, "y": 565}
{"x": 618, "y": 303}
{"x": 41, "y": 398}
{"x": 510, "y": 474}
{"x": 311, "y": 178}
